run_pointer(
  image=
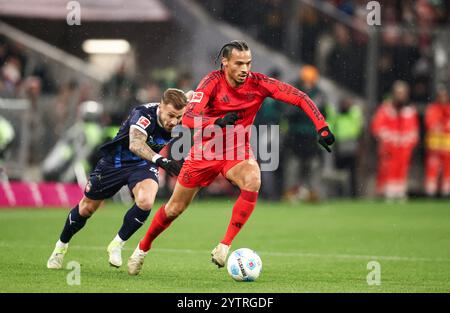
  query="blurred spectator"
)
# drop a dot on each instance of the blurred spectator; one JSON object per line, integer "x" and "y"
{"x": 48, "y": 84}
{"x": 65, "y": 107}
{"x": 121, "y": 91}
{"x": 3, "y": 49}
{"x": 301, "y": 140}
{"x": 151, "y": 92}
{"x": 13, "y": 71}
{"x": 271, "y": 21}
{"x": 18, "y": 51}
{"x": 10, "y": 74}
{"x": 186, "y": 82}
{"x": 396, "y": 129}
{"x": 76, "y": 145}
{"x": 386, "y": 74}
{"x": 345, "y": 62}
{"x": 405, "y": 43}
{"x": 309, "y": 28}
{"x": 346, "y": 124}
{"x": 35, "y": 120}
{"x": 270, "y": 114}
{"x": 437, "y": 143}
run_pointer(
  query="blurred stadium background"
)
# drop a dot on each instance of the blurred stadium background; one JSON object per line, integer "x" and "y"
{"x": 64, "y": 89}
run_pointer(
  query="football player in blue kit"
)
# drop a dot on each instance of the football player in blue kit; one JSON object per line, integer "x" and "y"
{"x": 132, "y": 159}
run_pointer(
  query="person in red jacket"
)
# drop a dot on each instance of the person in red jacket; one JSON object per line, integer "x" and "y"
{"x": 437, "y": 143}
{"x": 396, "y": 129}
{"x": 226, "y": 100}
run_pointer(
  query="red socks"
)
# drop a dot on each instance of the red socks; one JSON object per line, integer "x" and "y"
{"x": 159, "y": 223}
{"x": 242, "y": 210}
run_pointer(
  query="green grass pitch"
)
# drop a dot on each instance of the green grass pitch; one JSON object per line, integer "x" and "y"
{"x": 304, "y": 248}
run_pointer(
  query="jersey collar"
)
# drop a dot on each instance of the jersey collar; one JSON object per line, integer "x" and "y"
{"x": 157, "y": 118}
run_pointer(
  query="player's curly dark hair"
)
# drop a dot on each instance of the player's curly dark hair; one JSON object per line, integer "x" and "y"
{"x": 226, "y": 49}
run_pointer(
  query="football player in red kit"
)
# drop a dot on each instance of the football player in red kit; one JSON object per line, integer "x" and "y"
{"x": 229, "y": 96}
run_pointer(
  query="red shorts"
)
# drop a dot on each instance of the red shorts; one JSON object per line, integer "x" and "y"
{"x": 201, "y": 172}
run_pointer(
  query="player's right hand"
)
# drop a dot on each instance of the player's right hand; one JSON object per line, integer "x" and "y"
{"x": 228, "y": 119}
{"x": 171, "y": 167}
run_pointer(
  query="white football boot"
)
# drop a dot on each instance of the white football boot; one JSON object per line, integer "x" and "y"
{"x": 219, "y": 254}
{"x": 115, "y": 252}
{"x": 136, "y": 261}
{"x": 56, "y": 259}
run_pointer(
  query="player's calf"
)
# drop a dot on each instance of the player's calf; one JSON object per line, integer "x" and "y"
{"x": 74, "y": 223}
{"x": 174, "y": 209}
{"x": 242, "y": 210}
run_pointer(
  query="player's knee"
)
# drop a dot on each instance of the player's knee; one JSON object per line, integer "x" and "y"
{"x": 87, "y": 208}
{"x": 144, "y": 203}
{"x": 252, "y": 182}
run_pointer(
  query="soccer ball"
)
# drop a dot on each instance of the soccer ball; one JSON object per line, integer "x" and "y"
{"x": 244, "y": 265}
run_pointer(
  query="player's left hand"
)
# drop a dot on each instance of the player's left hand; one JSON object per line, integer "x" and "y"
{"x": 229, "y": 119}
{"x": 172, "y": 168}
{"x": 326, "y": 138}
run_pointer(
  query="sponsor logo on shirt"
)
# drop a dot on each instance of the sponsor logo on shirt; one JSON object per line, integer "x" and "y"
{"x": 197, "y": 97}
{"x": 143, "y": 122}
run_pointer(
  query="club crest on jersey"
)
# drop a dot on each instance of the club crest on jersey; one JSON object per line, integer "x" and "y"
{"x": 186, "y": 177}
{"x": 143, "y": 122}
{"x": 197, "y": 96}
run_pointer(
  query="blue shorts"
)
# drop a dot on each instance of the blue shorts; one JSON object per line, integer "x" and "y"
{"x": 106, "y": 179}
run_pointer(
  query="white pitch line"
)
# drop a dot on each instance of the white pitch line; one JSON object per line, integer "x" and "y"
{"x": 268, "y": 253}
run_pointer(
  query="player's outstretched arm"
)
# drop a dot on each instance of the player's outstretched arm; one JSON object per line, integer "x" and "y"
{"x": 289, "y": 94}
{"x": 138, "y": 145}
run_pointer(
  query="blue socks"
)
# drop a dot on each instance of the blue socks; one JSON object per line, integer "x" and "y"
{"x": 74, "y": 223}
{"x": 132, "y": 221}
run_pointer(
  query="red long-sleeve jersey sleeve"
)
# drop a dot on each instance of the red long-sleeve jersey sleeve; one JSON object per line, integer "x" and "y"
{"x": 199, "y": 101}
{"x": 286, "y": 93}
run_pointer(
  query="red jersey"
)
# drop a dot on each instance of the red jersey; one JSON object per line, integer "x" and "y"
{"x": 214, "y": 97}
{"x": 396, "y": 128}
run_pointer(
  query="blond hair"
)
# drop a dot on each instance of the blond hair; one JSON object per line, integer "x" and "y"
{"x": 175, "y": 97}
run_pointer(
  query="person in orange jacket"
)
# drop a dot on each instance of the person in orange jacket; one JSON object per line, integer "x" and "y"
{"x": 396, "y": 129}
{"x": 437, "y": 144}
